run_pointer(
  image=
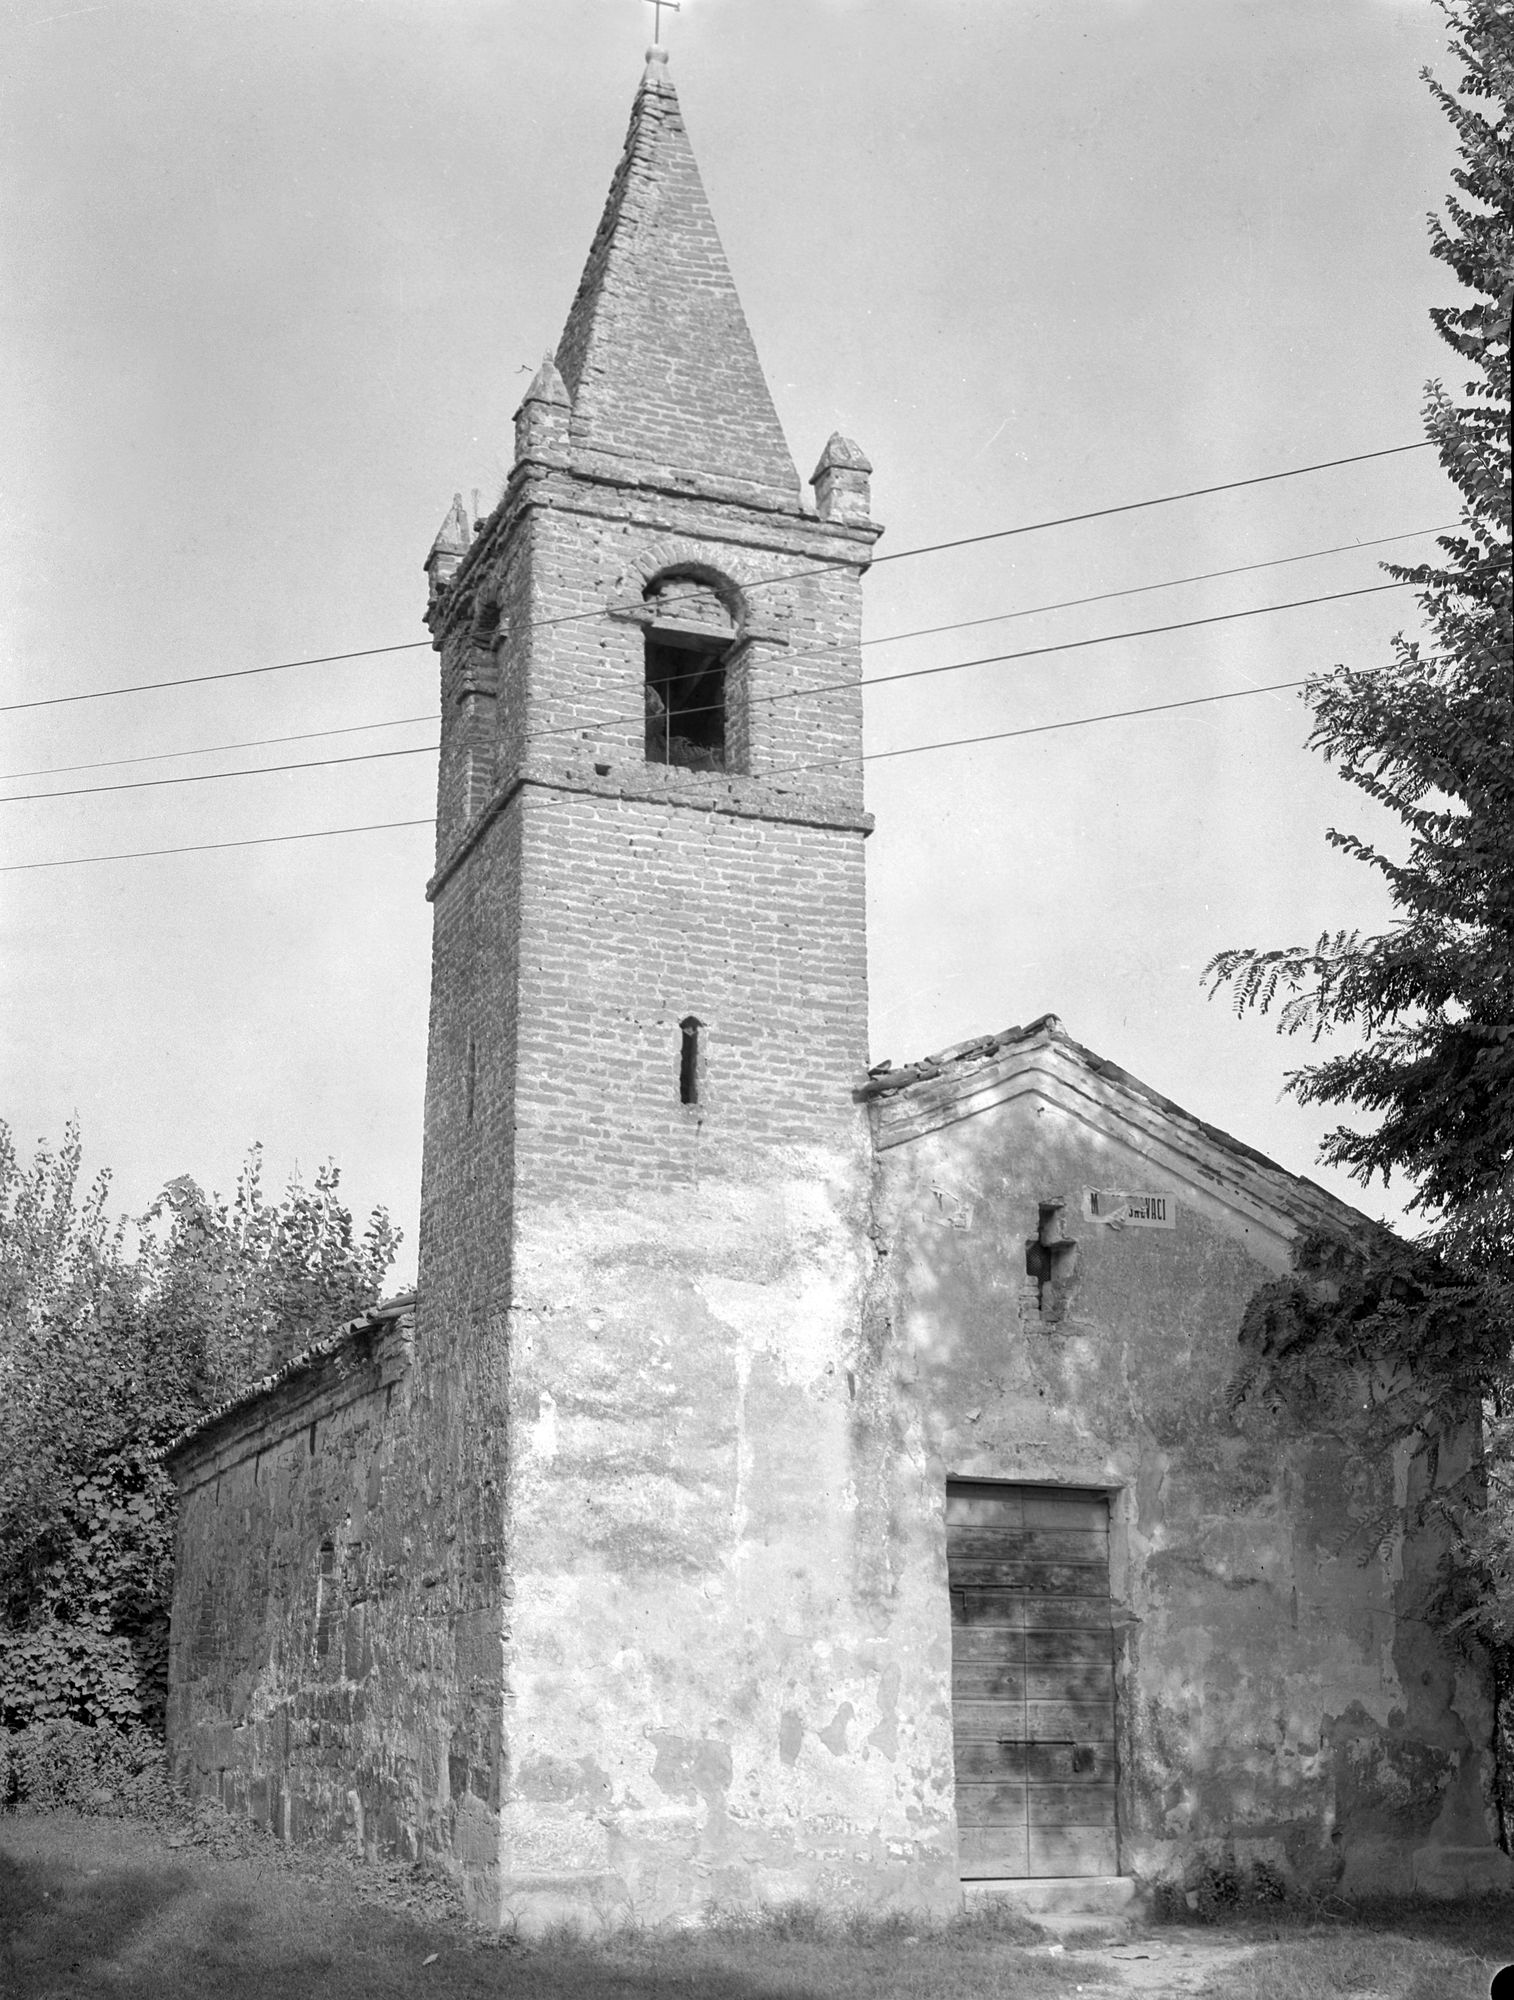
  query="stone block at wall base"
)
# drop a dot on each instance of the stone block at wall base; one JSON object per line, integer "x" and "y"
{"x": 1462, "y": 1871}
{"x": 1083, "y": 1897}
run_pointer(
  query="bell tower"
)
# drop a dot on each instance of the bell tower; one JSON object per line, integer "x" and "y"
{"x": 644, "y": 1239}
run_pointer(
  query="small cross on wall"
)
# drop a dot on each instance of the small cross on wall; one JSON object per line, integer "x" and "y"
{"x": 657, "y": 7}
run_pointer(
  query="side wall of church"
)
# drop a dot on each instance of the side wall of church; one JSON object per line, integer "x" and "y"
{"x": 1280, "y": 1695}
{"x": 334, "y": 1668}
{"x": 398, "y": 1461}
{"x": 288, "y": 1590}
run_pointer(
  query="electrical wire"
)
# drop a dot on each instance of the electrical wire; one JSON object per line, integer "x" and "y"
{"x": 1057, "y": 521}
{"x": 882, "y": 639}
{"x": 195, "y": 680}
{"x": 783, "y": 694}
{"x": 211, "y": 846}
{"x": 215, "y": 777}
{"x": 872, "y": 756}
{"x": 1145, "y": 589}
{"x": 212, "y": 749}
{"x": 896, "y": 555}
{"x": 1073, "y": 722}
{"x": 986, "y": 660}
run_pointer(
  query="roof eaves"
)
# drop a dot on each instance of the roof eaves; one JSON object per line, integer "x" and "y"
{"x": 887, "y": 1081}
{"x": 297, "y": 1364}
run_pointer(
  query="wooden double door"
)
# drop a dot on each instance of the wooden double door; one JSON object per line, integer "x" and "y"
{"x": 1033, "y": 1685}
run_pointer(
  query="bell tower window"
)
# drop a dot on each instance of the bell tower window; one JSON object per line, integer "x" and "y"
{"x": 688, "y": 640}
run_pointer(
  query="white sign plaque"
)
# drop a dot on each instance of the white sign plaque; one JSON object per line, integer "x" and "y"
{"x": 1133, "y": 1211}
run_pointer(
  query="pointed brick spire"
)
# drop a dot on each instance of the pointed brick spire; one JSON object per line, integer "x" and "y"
{"x": 453, "y": 539}
{"x": 541, "y": 422}
{"x": 656, "y": 354}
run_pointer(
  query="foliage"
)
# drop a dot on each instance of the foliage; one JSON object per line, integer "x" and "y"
{"x": 94, "y": 1648}
{"x": 1326, "y": 1342}
{"x": 252, "y": 1281}
{"x": 1430, "y": 736}
{"x": 111, "y": 1340}
{"x": 65, "y": 1763}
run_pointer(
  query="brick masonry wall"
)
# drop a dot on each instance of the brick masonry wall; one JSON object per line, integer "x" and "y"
{"x": 335, "y": 1661}
{"x": 656, "y": 352}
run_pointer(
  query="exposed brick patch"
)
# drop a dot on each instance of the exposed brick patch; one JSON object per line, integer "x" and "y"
{"x": 656, "y": 354}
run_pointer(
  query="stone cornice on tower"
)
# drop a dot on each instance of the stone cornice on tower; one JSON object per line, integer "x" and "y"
{"x": 656, "y": 355}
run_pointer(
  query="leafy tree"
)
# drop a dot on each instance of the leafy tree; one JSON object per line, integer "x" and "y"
{"x": 112, "y": 1338}
{"x": 1430, "y": 736}
{"x": 255, "y": 1281}
{"x": 1426, "y": 1328}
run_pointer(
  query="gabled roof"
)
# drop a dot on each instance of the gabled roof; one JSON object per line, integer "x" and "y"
{"x": 1043, "y": 1060}
{"x": 656, "y": 354}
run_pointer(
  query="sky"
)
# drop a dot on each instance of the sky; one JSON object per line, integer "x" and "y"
{"x": 275, "y": 278}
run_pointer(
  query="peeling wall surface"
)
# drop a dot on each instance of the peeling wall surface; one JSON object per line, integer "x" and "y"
{"x": 1280, "y": 1695}
{"x": 614, "y": 1574}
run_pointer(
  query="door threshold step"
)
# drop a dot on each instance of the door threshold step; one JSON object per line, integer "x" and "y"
{"x": 1081, "y": 1898}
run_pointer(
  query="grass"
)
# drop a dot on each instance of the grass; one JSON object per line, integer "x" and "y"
{"x": 108, "y": 1907}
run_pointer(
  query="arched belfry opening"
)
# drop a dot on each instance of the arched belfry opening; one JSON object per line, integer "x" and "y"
{"x": 689, "y": 638}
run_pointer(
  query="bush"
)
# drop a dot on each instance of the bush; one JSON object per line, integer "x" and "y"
{"x": 1219, "y": 1889}
{"x": 61, "y": 1762}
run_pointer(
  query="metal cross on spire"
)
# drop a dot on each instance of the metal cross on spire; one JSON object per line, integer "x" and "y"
{"x": 657, "y": 7}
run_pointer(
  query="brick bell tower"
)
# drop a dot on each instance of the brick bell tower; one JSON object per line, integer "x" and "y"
{"x": 644, "y": 1239}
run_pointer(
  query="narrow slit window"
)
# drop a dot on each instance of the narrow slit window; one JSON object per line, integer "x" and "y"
{"x": 325, "y": 1599}
{"x": 688, "y": 1060}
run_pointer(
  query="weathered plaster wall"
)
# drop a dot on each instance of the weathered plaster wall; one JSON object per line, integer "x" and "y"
{"x": 1280, "y": 1692}
{"x": 725, "y": 1686}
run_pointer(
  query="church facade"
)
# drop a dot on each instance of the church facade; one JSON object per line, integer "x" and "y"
{"x": 788, "y": 1481}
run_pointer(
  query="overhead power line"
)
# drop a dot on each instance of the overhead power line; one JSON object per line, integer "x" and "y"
{"x": 214, "y": 777}
{"x": 881, "y": 639}
{"x": 1075, "y": 722}
{"x": 895, "y": 555}
{"x": 1164, "y": 500}
{"x": 194, "y": 680}
{"x": 1056, "y": 521}
{"x": 212, "y": 749}
{"x": 784, "y": 694}
{"x": 211, "y": 846}
{"x": 988, "y": 659}
{"x": 1145, "y": 589}
{"x": 872, "y": 756}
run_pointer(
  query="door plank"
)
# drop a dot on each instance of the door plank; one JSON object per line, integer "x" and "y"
{"x": 1041, "y": 1762}
{"x": 983, "y": 1503}
{"x": 993, "y": 1680}
{"x": 1073, "y": 1850}
{"x": 1044, "y": 1579}
{"x": 1035, "y": 1721}
{"x": 987, "y": 1851}
{"x": 996, "y": 1805}
{"x": 1076, "y": 1545}
{"x": 1069, "y": 1805}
